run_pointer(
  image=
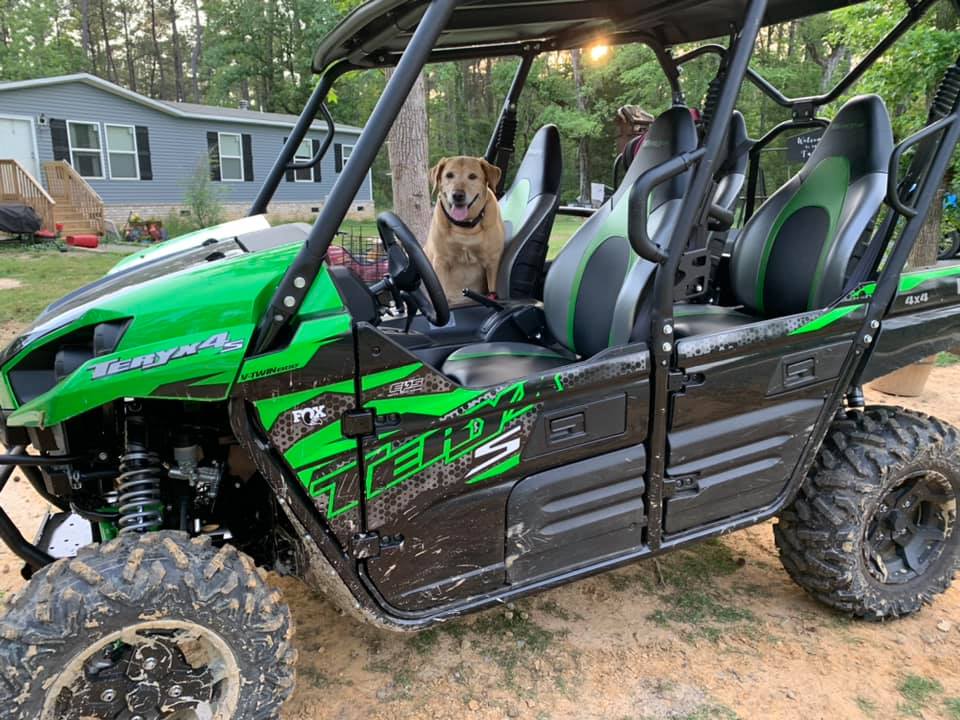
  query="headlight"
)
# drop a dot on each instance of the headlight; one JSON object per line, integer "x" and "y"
{"x": 48, "y": 364}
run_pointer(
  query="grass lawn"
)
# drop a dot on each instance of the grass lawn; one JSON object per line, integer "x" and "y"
{"x": 44, "y": 276}
{"x": 563, "y": 228}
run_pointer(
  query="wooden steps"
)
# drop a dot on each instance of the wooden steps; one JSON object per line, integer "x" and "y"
{"x": 78, "y": 207}
{"x": 68, "y": 200}
{"x": 73, "y": 220}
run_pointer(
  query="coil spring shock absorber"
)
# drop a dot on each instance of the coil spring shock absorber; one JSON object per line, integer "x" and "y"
{"x": 138, "y": 484}
{"x": 947, "y": 95}
{"x": 710, "y": 100}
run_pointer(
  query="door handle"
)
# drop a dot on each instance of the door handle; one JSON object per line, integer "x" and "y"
{"x": 566, "y": 428}
{"x": 799, "y": 372}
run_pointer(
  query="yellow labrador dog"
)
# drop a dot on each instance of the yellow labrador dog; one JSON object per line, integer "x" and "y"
{"x": 466, "y": 235}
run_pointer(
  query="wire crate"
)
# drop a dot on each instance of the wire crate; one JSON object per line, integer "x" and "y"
{"x": 363, "y": 255}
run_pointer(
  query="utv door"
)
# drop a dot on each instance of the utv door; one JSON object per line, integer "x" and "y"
{"x": 469, "y": 491}
{"x": 747, "y": 402}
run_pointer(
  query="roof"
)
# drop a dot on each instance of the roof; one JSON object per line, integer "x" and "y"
{"x": 377, "y": 31}
{"x": 177, "y": 109}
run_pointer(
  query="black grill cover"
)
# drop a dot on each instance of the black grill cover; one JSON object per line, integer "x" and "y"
{"x": 19, "y": 219}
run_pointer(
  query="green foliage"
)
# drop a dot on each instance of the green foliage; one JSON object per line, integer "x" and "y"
{"x": 261, "y": 52}
{"x": 917, "y": 692}
{"x": 951, "y": 217}
{"x": 37, "y": 38}
{"x": 952, "y": 706}
{"x": 203, "y": 198}
{"x": 867, "y": 707}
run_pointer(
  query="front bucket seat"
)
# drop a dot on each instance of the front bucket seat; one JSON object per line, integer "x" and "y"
{"x": 797, "y": 251}
{"x": 528, "y": 209}
{"x": 596, "y": 284}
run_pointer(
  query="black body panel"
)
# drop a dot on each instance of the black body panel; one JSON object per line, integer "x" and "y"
{"x": 737, "y": 464}
{"x": 576, "y": 514}
{"x": 578, "y": 426}
{"x": 924, "y": 319}
{"x": 452, "y": 566}
{"x": 739, "y": 425}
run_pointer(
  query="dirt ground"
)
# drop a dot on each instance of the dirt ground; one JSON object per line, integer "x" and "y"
{"x": 717, "y": 631}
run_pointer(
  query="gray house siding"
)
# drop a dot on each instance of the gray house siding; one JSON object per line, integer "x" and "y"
{"x": 178, "y": 146}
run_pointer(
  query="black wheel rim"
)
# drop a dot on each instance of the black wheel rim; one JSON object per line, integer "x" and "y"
{"x": 910, "y": 528}
{"x": 177, "y": 671}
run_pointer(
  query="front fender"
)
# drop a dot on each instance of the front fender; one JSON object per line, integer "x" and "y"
{"x": 186, "y": 337}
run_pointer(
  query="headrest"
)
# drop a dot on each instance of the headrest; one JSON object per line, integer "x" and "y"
{"x": 671, "y": 134}
{"x": 542, "y": 163}
{"x": 860, "y": 132}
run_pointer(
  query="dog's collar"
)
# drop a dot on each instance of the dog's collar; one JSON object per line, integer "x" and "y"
{"x": 464, "y": 223}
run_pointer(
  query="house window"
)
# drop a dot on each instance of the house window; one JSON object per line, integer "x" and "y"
{"x": 231, "y": 157}
{"x": 304, "y": 154}
{"x": 122, "y": 152}
{"x": 85, "y": 153}
{"x": 345, "y": 154}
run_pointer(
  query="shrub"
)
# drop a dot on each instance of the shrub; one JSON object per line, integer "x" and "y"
{"x": 203, "y": 199}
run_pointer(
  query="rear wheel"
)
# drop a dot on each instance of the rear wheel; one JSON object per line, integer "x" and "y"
{"x": 949, "y": 245}
{"x": 873, "y": 529}
{"x": 153, "y": 626}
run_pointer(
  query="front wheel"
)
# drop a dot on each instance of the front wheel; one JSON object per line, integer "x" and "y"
{"x": 151, "y": 626}
{"x": 873, "y": 530}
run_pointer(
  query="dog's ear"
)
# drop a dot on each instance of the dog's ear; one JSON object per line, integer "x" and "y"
{"x": 435, "y": 172}
{"x": 492, "y": 173}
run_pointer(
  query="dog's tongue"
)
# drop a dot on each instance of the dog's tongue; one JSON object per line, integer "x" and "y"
{"x": 459, "y": 212}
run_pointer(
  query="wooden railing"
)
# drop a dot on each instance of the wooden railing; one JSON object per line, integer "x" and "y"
{"x": 69, "y": 188}
{"x": 19, "y": 186}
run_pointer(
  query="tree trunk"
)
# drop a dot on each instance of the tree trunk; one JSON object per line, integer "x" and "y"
{"x": 85, "y": 39}
{"x": 266, "y": 102}
{"x": 409, "y": 160}
{"x": 583, "y": 147}
{"x": 111, "y": 67}
{"x": 830, "y": 66}
{"x": 927, "y": 247}
{"x": 177, "y": 60}
{"x": 128, "y": 47}
{"x": 197, "y": 50}
{"x": 157, "y": 57}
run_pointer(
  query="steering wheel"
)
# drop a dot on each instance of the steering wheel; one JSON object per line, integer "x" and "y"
{"x": 411, "y": 278}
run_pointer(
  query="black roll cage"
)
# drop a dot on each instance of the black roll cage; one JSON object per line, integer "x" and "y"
{"x": 302, "y": 272}
{"x": 804, "y": 109}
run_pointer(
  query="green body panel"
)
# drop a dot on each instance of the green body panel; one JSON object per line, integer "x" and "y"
{"x": 310, "y": 336}
{"x": 910, "y": 282}
{"x": 186, "y": 338}
{"x": 192, "y": 239}
{"x": 467, "y": 423}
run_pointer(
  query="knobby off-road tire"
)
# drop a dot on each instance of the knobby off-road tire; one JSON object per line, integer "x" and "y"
{"x": 838, "y": 540}
{"x": 142, "y": 600}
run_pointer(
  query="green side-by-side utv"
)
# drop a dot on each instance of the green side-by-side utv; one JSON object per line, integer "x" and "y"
{"x": 688, "y": 365}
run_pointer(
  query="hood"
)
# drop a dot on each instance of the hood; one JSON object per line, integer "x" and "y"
{"x": 191, "y": 240}
{"x": 174, "y": 327}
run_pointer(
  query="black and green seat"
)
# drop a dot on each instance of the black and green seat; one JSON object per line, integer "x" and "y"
{"x": 595, "y": 286}
{"x": 797, "y": 252}
{"x": 528, "y": 208}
